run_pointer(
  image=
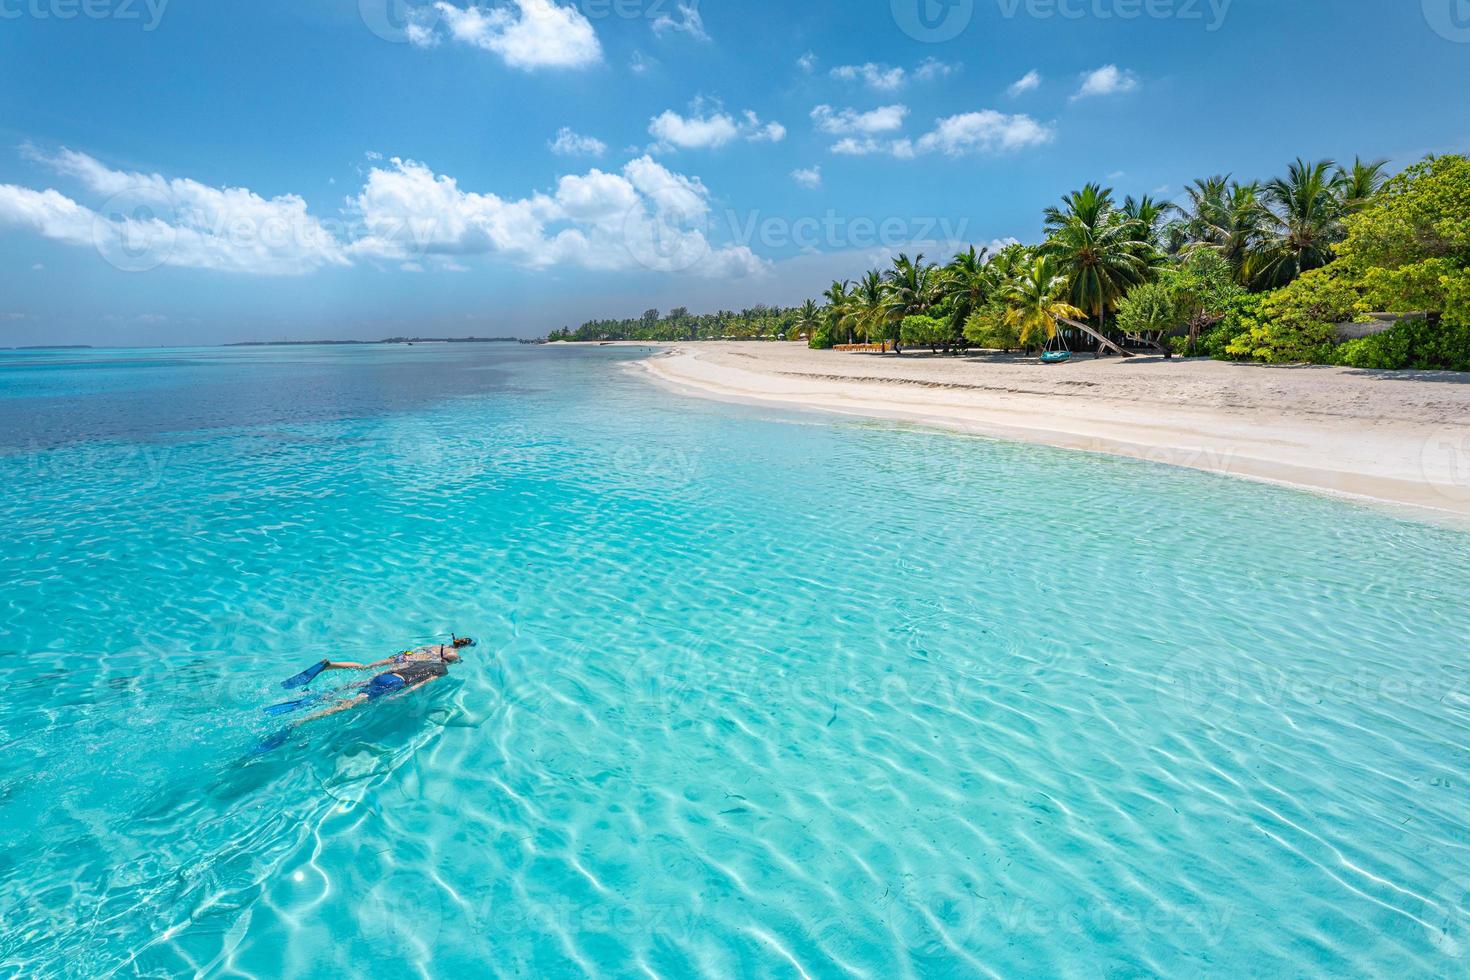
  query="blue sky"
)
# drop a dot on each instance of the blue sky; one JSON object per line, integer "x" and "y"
{"x": 184, "y": 171}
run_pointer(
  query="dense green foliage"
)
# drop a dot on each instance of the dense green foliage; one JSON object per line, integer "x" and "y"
{"x": 1258, "y": 271}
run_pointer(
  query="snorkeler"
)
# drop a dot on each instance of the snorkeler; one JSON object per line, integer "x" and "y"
{"x": 436, "y": 653}
{"x": 407, "y": 677}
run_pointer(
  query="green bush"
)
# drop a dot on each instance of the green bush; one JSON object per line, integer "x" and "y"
{"x": 1416, "y": 344}
{"x": 1297, "y": 323}
{"x": 925, "y": 331}
{"x": 822, "y": 338}
{"x": 987, "y": 328}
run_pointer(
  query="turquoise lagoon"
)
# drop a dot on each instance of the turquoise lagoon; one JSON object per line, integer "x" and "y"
{"x": 756, "y": 694}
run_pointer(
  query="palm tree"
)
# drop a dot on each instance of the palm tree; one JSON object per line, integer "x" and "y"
{"x": 870, "y": 303}
{"x": 1358, "y": 186}
{"x": 840, "y": 308}
{"x": 1151, "y": 215}
{"x": 808, "y": 319}
{"x": 912, "y": 288}
{"x": 1035, "y": 299}
{"x": 967, "y": 282}
{"x": 1100, "y": 250}
{"x": 1205, "y": 207}
{"x": 1301, "y": 222}
{"x": 1088, "y": 205}
{"x": 1222, "y": 216}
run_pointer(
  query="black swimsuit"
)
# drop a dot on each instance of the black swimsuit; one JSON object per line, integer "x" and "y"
{"x": 420, "y": 671}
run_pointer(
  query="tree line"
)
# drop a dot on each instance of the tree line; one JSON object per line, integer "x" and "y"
{"x": 1245, "y": 270}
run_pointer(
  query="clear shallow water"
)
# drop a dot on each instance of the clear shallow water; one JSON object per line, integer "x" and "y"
{"x": 755, "y": 693}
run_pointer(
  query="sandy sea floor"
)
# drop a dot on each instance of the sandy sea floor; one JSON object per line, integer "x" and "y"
{"x": 1402, "y": 438}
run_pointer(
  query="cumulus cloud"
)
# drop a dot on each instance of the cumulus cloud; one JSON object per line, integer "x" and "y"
{"x": 645, "y": 216}
{"x": 1107, "y": 80}
{"x": 698, "y": 131}
{"x": 571, "y": 144}
{"x": 883, "y": 78}
{"x": 880, "y": 77}
{"x": 810, "y": 177}
{"x": 147, "y": 220}
{"x": 985, "y": 131}
{"x": 526, "y": 34}
{"x": 931, "y": 68}
{"x": 759, "y": 132}
{"x": 849, "y": 122}
{"x": 807, "y": 62}
{"x": 693, "y": 132}
{"x": 1026, "y": 83}
{"x": 689, "y": 22}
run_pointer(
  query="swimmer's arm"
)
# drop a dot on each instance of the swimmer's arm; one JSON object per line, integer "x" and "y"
{"x": 351, "y": 666}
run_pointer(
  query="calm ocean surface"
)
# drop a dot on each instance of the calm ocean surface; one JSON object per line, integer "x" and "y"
{"x": 756, "y": 693}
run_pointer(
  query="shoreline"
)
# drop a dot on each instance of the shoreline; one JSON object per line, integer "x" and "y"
{"x": 1394, "y": 439}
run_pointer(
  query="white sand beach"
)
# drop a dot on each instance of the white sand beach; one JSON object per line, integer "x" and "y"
{"x": 1400, "y": 438}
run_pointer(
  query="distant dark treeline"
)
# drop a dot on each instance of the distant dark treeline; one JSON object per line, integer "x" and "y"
{"x": 388, "y": 340}
{"x": 768, "y": 322}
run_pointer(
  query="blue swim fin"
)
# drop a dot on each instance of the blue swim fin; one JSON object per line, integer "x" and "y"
{"x": 306, "y": 676}
{"x": 272, "y": 742}
{"x": 286, "y": 707}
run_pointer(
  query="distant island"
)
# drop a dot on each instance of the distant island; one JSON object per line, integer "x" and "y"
{"x": 388, "y": 340}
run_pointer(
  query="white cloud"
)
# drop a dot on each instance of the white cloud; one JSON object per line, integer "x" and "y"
{"x": 528, "y": 34}
{"x": 570, "y": 144}
{"x": 38, "y": 267}
{"x": 693, "y": 132}
{"x": 1026, "y": 83}
{"x": 807, "y": 62}
{"x": 148, "y": 220}
{"x": 931, "y": 68}
{"x": 986, "y": 131}
{"x": 849, "y": 122}
{"x": 644, "y": 217}
{"x": 883, "y": 78}
{"x": 1107, "y": 80}
{"x": 810, "y": 177}
{"x": 759, "y": 132}
{"x": 705, "y": 132}
{"x": 880, "y": 77}
{"x": 689, "y": 22}
{"x": 640, "y": 63}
